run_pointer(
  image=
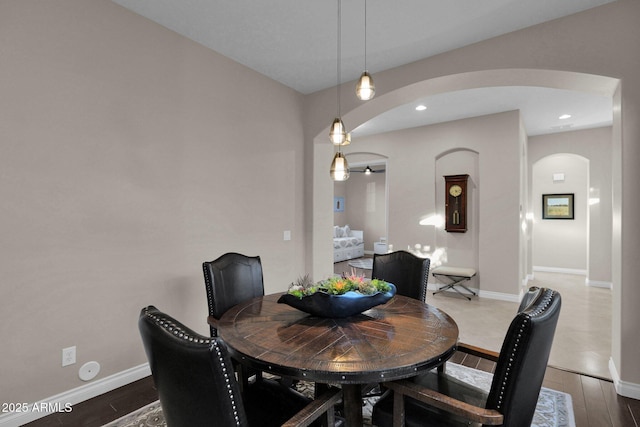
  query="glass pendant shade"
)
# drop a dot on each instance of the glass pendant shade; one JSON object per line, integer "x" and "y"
{"x": 337, "y": 134}
{"x": 365, "y": 89}
{"x": 339, "y": 168}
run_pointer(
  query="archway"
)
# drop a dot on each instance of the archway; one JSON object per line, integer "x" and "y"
{"x": 559, "y": 244}
{"x": 319, "y": 250}
{"x": 323, "y": 151}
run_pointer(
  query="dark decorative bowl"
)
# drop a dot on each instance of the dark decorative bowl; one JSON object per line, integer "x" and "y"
{"x": 348, "y": 304}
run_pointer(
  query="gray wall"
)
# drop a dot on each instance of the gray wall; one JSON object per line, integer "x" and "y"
{"x": 129, "y": 155}
{"x": 417, "y": 160}
{"x": 561, "y": 244}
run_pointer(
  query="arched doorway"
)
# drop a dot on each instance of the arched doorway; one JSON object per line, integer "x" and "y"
{"x": 320, "y": 251}
{"x": 560, "y": 244}
{"x": 366, "y": 195}
{"x": 542, "y": 78}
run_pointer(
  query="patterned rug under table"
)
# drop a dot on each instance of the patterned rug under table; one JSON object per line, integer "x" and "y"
{"x": 554, "y": 409}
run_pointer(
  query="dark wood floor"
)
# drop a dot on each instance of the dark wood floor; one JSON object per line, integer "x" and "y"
{"x": 105, "y": 408}
{"x": 595, "y": 402}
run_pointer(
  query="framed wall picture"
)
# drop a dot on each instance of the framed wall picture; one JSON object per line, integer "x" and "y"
{"x": 557, "y": 206}
{"x": 338, "y": 204}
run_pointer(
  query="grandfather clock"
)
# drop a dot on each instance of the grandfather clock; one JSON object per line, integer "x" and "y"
{"x": 456, "y": 203}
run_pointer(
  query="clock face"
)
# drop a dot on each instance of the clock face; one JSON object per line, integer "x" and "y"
{"x": 455, "y": 190}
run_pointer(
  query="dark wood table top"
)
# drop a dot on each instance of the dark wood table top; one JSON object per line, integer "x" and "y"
{"x": 388, "y": 342}
{"x": 391, "y": 341}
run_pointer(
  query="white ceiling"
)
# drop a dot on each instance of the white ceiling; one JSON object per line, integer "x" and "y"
{"x": 540, "y": 109}
{"x": 295, "y": 42}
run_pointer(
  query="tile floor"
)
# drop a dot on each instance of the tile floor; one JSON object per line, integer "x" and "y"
{"x": 583, "y": 337}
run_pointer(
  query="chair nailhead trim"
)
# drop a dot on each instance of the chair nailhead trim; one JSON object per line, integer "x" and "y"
{"x": 227, "y": 380}
{"x": 541, "y": 308}
{"x": 178, "y": 331}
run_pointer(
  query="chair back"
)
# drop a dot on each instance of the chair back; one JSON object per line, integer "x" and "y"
{"x": 231, "y": 279}
{"x": 529, "y": 296}
{"x": 523, "y": 359}
{"x": 192, "y": 373}
{"x": 409, "y": 273}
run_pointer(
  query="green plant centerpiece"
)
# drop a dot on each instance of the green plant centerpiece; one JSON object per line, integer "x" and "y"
{"x": 342, "y": 296}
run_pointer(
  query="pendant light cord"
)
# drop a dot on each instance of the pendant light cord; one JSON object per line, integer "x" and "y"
{"x": 365, "y": 35}
{"x": 339, "y": 50}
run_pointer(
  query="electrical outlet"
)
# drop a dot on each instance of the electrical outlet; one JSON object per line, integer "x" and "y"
{"x": 68, "y": 356}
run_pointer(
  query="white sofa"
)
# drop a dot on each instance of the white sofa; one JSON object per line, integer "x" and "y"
{"x": 347, "y": 243}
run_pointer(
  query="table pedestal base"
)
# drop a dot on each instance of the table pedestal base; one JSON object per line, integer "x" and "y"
{"x": 352, "y": 399}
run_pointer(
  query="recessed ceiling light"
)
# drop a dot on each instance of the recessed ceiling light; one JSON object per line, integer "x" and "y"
{"x": 565, "y": 116}
{"x": 421, "y": 107}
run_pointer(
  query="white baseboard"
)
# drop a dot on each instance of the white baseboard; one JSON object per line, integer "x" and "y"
{"x": 65, "y": 400}
{"x": 525, "y": 281}
{"x": 499, "y": 296}
{"x": 623, "y": 388}
{"x": 598, "y": 284}
{"x": 483, "y": 294}
{"x": 587, "y": 281}
{"x": 560, "y": 270}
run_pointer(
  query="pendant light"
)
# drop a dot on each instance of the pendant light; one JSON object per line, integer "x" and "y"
{"x": 339, "y": 170}
{"x": 338, "y": 134}
{"x": 339, "y": 167}
{"x": 365, "y": 89}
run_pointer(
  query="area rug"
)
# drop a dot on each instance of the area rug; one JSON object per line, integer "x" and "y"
{"x": 554, "y": 409}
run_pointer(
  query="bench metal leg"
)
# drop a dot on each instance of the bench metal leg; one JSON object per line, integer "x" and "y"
{"x": 455, "y": 281}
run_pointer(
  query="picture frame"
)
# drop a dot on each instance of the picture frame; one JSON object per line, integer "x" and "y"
{"x": 338, "y": 204}
{"x": 558, "y": 206}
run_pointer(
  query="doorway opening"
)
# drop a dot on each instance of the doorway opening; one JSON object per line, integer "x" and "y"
{"x": 365, "y": 198}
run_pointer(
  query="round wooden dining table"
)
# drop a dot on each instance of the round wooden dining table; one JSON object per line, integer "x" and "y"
{"x": 392, "y": 341}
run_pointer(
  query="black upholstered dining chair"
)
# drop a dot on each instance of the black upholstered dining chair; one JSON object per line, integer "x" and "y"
{"x": 197, "y": 387}
{"x": 406, "y": 271}
{"x": 229, "y": 280}
{"x": 435, "y": 399}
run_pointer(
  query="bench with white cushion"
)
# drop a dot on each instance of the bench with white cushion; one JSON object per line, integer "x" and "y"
{"x": 455, "y": 276}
